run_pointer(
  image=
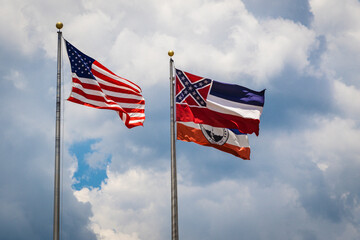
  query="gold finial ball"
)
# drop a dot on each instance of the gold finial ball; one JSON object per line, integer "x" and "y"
{"x": 59, "y": 25}
{"x": 171, "y": 53}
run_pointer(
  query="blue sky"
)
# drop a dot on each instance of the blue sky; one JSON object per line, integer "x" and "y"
{"x": 302, "y": 181}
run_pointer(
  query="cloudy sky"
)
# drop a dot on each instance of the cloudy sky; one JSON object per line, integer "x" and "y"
{"x": 303, "y": 179}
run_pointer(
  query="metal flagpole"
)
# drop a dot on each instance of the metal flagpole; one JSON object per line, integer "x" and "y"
{"x": 174, "y": 200}
{"x": 56, "y": 231}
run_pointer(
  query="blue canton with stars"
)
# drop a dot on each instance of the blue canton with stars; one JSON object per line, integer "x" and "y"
{"x": 191, "y": 89}
{"x": 80, "y": 63}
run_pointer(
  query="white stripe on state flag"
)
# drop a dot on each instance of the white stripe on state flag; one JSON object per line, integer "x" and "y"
{"x": 233, "y": 108}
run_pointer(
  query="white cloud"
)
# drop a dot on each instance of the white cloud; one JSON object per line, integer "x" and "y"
{"x": 17, "y": 78}
{"x": 133, "y": 205}
{"x": 347, "y": 99}
{"x": 339, "y": 22}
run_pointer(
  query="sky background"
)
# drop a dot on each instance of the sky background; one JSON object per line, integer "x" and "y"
{"x": 303, "y": 179}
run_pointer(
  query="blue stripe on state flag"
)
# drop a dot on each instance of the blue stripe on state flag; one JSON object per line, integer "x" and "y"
{"x": 237, "y": 131}
{"x": 236, "y": 93}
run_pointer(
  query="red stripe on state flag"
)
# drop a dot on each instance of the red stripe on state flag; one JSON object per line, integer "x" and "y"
{"x": 186, "y": 113}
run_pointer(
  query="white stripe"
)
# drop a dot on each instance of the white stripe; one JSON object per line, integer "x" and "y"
{"x": 107, "y": 92}
{"x": 104, "y": 94}
{"x": 86, "y": 80}
{"x": 110, "y": 102}
{"x": 136, "y": 121}
{"x": 124, "y": 117}
{"x": 93, "y": 102}
{"x": 122, "y": 95}
{"x": 93, "y": 93}
{"x": 89, "y": 91}
{"x": 233, "y": 108}
{"x": 132, "y": 114}
{"x": 240, "y": 140}
{"x": 132, "y": 105}
{"x": 106, "y": 73}
{"x": 104, "y": 82}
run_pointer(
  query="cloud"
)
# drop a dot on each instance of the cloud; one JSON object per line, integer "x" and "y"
{"x": 17, "y": 78}
{"x": 27, "y": 158}
{"x": 132, "y": 205}
{"x": 346, "y": 98}
{"x": 339, "y": 23}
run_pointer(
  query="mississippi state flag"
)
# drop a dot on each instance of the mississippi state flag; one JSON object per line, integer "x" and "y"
{"x": 227, "y": 140}
{"x": 96, "y": 86}
{"x": 205, "y": 101}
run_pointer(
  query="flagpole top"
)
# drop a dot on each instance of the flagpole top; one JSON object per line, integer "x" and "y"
{"x": 171, "y": 53}
{"x": 59, "y": 25}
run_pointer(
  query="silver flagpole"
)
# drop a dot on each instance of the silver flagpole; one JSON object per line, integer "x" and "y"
{"x": 174, "y": 200}
{"x": 56, "y": 231}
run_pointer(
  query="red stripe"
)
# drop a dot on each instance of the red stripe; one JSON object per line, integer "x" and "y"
{"x": 137, "y": 118}
{"x": 101, "y": 87}
{"x": 87, "y": 85}
{"x": 101, "y": 99}
{"x": 89, "y": 96}
{"x": 134, "y": 110}
{"x": 75, "y": 100}
{"x": 116, "y": 99}
{"x": 119, "y": 90}
{"x": 126, "y": 100}
{"x": 116, "y": 81}
{"x": 189, "y": 134}
{"x": 113, "y": 81}
{"x": 185, "y": 113}
{"x": 129, "y": 125}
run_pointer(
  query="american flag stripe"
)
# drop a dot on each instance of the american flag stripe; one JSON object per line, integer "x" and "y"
{"x": 96, "y": 96}
{"x": 101, "y": 72}
{"x": 80, "y": 99}
{"x": 135, "y": 121}
{"x": 96, "y": 86}
{"x": 112, "y": 92}
{"x": 99, "y": 101}
{"x": 93, "y": 90}
{"x": 108, "y": 83}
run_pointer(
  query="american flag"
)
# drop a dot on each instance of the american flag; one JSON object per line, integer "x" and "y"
{"x": 96, "y": 86}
